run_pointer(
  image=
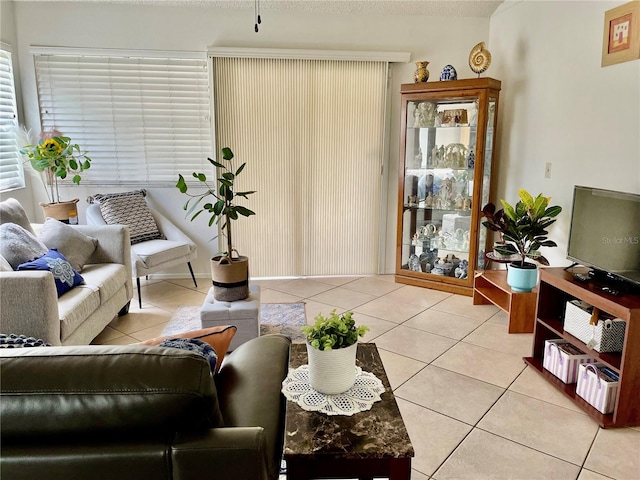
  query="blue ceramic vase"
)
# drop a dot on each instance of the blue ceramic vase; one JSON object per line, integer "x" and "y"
{"x": 448, "y": 73}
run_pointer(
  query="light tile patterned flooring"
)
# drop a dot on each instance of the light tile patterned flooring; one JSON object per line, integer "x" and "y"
{"x": 472, "y": 408}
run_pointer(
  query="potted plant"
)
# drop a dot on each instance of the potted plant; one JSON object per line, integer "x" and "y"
{"x": 230, "y": 274}
{"x": 524, "y": 230}
{"x": 56, "y": 157}
{"x": 331, "y": 348}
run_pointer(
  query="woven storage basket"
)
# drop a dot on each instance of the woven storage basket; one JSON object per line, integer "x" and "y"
{"x": 607, "y": 335}
{"x": 230, "y": 278}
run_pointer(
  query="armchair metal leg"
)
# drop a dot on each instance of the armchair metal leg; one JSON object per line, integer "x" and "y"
{"x": 192, "y": 275}
{"x": 139, "y": 292}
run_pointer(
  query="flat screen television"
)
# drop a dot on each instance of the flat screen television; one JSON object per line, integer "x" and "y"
{"x": 605, "y": 233}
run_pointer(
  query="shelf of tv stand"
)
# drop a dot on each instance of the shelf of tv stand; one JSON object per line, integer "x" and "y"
{"x": 569, "y": 391}
{"x": 612, "y": 360}
{"x": 557, "y": 286}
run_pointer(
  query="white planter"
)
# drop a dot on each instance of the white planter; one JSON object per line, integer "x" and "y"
{"x": 332, "y": 371}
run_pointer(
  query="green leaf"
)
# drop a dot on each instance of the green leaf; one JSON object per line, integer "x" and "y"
{"x": 217, "y": 208}
{"x": 216, "y": 164}
{"x": 182, "y": 186}
{"x": 553, "y": 211}
{"x": 240, "y": 169}
{"x": 76, "y": 179}
{"x": 227, "y": 154}
{"x": 229, "y": 176}
{"x": 196, "y": 215}
{"x": 244, "y": 211}
{"x": 526, "y": 197}
{"x": 509, "y": 211}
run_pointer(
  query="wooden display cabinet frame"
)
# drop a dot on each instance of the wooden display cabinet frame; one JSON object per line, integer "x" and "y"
{"x": 484, "y": 89}
{"x": 557, "y": 286}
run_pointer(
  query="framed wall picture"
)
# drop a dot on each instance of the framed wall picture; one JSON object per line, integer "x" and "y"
{"x": 621, "y": 36}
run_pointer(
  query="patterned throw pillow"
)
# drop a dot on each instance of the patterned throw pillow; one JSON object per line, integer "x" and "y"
{"x": 63, "y": 273}
{"x": 193, "y": 345}
{"x": 19, "y": 341}
{"x": 129, "y": 208}
{"x": 219, "y": 338}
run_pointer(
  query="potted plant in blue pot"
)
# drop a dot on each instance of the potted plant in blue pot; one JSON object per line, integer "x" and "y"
{"x": 524, "y": 231}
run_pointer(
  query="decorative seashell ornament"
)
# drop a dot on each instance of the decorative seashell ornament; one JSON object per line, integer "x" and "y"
{"x": 479, "y": 58}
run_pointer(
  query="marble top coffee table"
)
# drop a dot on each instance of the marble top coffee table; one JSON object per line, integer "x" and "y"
{"x": 364, "y": 445}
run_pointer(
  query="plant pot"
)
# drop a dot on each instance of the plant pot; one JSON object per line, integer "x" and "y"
{"x": 230, "y": 278}
{"x": 332, "y": 371}
{"x": 522, "y": 277}
{"x": 66, "y": 212}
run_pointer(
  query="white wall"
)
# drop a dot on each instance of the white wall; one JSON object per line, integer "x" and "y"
{"x": 438, "y": 40}
{"x": 8, "y": 36}
{"x": 558, "y": 105}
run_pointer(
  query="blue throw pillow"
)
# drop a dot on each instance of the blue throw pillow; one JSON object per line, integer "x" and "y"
{"x": 193, "y": 345}
{"x": 65, "y": 276}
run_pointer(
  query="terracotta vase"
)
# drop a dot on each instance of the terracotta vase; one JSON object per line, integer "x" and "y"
{"x": 421, "y": 74}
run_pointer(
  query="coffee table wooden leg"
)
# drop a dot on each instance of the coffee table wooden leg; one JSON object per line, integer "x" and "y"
{"x": 297, "y": 470}
{"x": 400, "y": 469}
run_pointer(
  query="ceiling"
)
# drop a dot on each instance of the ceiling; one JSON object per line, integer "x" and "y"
{"x": 436, "y": 8}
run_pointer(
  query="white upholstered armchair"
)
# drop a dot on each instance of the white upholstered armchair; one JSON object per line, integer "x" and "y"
{"x": 153, "y": 255}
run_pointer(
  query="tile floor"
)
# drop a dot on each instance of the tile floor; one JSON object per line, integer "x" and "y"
{"x": 472, "y": 408}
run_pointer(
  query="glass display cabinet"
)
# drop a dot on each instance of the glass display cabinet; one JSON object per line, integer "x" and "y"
{"x": 446, "y": 158}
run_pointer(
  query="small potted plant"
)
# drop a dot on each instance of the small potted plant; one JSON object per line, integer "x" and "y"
{"x": 331, "y": 348}
{"x": 230, "y": 274}
{"x": 524, "y": 230}
{"x": 56, "y": 157}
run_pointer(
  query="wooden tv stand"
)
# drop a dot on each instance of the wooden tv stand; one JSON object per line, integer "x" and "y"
{"x": 556, "y": 287}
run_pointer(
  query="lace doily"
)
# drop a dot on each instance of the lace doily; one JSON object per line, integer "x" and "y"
{"x": 364, "y": 393}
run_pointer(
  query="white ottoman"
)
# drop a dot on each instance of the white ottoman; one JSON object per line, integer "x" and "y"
{"x": 244, "y": 314}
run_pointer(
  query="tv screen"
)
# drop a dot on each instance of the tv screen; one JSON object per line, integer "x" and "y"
{"x": 605, "y": 232}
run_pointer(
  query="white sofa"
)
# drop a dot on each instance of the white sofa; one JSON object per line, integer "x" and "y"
{"x": 29, "y": 303}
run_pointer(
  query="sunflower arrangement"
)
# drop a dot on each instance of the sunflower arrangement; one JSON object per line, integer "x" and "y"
{"x": 57, "y": 157}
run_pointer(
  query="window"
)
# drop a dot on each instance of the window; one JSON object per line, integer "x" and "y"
{"x": 11, "y": 172}
{"x": 141, "y": 118}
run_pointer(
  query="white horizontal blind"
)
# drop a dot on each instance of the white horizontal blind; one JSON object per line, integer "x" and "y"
{"x": 141, "y": 120}
{"x": 311, "y": 132}
{"x": 11, "y": 168}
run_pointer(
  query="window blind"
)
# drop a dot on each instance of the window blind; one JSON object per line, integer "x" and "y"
{"x": 11, "y": 168}
{"x": 140, "y": 119}
{"x": 312, "y": 134}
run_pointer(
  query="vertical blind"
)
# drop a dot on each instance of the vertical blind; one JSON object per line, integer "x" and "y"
{"x": 11, "y": 171}
{"x": 311, "y": 132}
{"x": 140, "y": 119}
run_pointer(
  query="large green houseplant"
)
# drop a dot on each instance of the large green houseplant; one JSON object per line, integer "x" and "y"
{"x": 331, "y": 348}
{"x": 523, "y": 228}
{"x": 230, "y": 274}
{"x": 57, "y": 158}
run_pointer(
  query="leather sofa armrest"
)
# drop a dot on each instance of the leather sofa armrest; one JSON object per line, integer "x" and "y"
{"x": 30, "y": 305}
{"x": 249, "y": 390}
{"x": 237, "y": 453}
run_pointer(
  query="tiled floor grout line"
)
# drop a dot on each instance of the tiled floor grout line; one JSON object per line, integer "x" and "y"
{"x": 424, "y": 365}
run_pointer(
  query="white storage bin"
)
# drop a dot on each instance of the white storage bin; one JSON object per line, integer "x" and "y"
{"x": 598, "y": 385}
{"x": 562, "y": 359}
{"x": 606, "y": 336}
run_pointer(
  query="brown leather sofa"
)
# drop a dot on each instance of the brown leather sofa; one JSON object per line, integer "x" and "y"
{"x": 137, "y": 412}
